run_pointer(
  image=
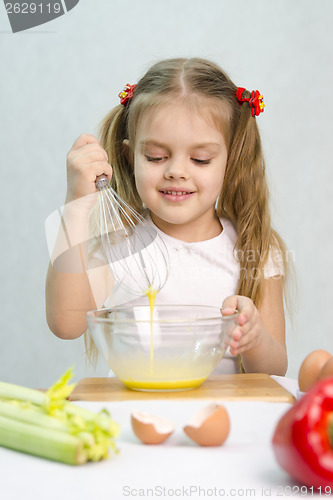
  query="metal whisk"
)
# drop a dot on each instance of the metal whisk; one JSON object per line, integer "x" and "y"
{"x": 135, "y": 252}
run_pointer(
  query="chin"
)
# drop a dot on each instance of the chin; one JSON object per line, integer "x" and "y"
{"x": 174, "y": 220}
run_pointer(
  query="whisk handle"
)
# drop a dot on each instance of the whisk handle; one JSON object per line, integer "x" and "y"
{"x": 101, "y": 181}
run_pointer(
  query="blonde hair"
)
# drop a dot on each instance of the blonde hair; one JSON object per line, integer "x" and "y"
{"x": 244, "y": 195}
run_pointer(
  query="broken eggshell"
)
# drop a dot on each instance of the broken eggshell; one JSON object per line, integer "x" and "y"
{"x": 151, "y": 429}
{"x": 210, "y": 426}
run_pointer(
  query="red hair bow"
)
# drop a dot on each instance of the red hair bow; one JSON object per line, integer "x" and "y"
{"x": 256, "y": 100}
{"x": 126, "y": 94}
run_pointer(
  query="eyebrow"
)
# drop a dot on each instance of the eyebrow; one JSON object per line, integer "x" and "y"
{"x": 151, "y": 142}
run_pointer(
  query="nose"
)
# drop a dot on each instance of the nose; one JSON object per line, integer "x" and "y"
{"x": 176, "y": 169}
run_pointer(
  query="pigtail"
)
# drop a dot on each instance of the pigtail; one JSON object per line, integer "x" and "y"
{"x": 113, "y": 132}
{"x": 244, "y": 200}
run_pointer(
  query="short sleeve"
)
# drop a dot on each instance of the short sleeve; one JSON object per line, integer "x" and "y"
{"x": 274, "y": 265}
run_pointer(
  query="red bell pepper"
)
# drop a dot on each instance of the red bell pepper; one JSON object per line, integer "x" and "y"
{"x": 303, "y": 438}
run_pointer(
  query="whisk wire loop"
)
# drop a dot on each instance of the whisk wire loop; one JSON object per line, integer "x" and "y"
{"x": 133, "y": 249}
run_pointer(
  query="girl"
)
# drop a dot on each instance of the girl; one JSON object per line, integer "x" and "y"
{"x": 185, "y": 151}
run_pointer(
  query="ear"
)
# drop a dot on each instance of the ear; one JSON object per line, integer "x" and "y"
{"x": 128, "y": 152}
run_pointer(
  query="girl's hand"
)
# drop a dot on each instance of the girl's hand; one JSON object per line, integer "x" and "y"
{"x": 249, "y": 328}
{"x": 86, "y": 160}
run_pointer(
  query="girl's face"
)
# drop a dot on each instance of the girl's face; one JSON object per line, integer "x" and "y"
{"x": 179, "y": 163}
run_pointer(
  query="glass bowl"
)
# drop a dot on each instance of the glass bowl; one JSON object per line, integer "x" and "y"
{"x": 176, "y": 349}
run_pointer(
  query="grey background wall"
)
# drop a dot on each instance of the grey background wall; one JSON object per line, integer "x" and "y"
{"x": 59, "y": 79}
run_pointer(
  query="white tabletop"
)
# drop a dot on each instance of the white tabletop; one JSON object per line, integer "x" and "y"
{"x": 244, "y": 466}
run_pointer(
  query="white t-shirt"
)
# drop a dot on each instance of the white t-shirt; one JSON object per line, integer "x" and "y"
{"x": 200, "y": 273}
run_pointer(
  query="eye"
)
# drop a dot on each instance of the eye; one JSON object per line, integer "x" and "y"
{"x": 154, "y": 159}
{"x": 201, "y": 162}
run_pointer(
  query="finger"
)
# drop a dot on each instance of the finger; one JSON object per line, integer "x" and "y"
{"x": 229, "y": 305}
{"x": 238, "y": 339}
{"x": 244, "y": 343}
{"x": 89, "y": 155}
{"x": 246, "y": 327}
{"x": 102, "y": 168}
{"x": 235, "y": 341}
{"x": 246, "y": 310}
{"x": 86, "y": 151}
{"x": 84, "y": 139}
{"x": 95, "y": 169}
{"x": 236, "y": 348}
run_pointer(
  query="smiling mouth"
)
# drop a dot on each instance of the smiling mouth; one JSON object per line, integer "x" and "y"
{"x": 175, "y": 193}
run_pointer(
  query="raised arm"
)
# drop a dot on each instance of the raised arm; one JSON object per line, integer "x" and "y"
{"x": 74, "y": 286}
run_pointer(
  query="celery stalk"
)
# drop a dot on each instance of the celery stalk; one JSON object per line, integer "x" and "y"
{"x": 12, "y": 391}
{"x": 46, "y": 424}
{"x": 42, "y": 442}
{"x": 30, "y": 416}
{"x": 102, "y": 419}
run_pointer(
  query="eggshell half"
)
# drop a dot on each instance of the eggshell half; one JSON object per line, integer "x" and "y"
{"x": 327, "y": 369}
{"x": 210, "y": 426}
{"x": 151, "y": 429}
{"x": 310, "y": 368}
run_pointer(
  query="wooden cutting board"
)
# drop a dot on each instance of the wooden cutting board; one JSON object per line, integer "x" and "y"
{"x": 244, "y": 387}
